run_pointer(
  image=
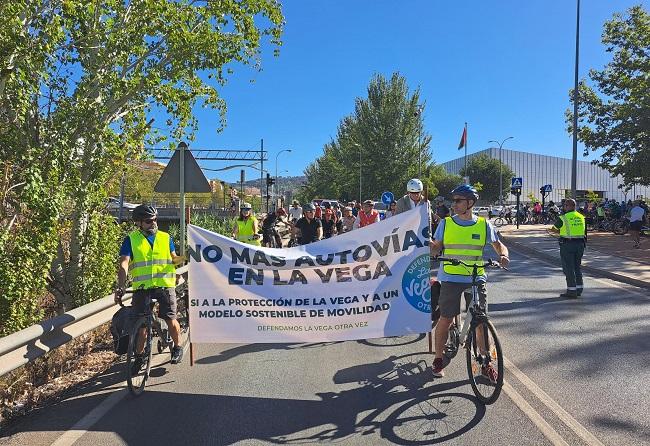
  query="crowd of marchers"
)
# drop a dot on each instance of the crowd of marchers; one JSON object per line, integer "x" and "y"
{"x": 321, "y": 219}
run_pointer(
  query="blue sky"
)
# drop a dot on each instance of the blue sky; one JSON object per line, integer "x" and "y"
{"x": 505, "y": 67}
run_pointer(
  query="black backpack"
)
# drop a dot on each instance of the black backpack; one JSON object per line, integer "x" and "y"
{"x": 121, "y": 329}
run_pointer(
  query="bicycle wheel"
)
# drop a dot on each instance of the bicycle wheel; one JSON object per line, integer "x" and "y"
{"x": 484, "y": 350}
{"x": 138, "y": 365}
{"x": 499, "y": 221}
{"x": 621, "y": 227}
{"x": 181, "y": 312}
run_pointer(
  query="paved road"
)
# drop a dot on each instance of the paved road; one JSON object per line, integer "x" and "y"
{"x": 577, "y": 374}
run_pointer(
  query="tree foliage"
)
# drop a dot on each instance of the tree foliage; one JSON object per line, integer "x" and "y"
{"x": 384, "y": 136}
{"x": 439, "y": 182}
{"x": 79, "y": 82}
{"x": 485, "y": 170}
{"x": 614, "y": 112}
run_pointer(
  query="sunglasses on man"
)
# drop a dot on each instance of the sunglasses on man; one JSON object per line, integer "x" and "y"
{"x": 149, "y": 220}
{"x": 458, "y": 200}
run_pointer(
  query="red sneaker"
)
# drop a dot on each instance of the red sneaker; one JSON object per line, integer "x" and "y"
{"x": 490, "y": 373}
{"x": 438, "y": 367}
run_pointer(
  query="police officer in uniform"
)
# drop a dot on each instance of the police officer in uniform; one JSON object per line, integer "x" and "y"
{"x": 573, "y": 238}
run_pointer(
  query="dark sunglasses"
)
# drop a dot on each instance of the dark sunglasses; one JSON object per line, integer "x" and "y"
{"x": 149, "y": 220}
{"x": 458, "y": 200}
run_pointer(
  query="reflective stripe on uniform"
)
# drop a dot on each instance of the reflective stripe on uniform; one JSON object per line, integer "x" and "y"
{"x": 463, "y": 257}
{"x": 460, "y": 246}
{"x": 150, "y": 262}
{"x": 154, "y": 276}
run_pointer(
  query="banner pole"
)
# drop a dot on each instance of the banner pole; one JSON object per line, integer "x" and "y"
{"x": 426, "y": 197}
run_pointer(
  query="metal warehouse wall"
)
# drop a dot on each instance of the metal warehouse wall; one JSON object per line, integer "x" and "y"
{"x": 538, "y": 170}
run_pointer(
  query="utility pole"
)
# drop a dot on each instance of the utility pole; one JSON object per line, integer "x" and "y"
{"x": 574, "y": 160}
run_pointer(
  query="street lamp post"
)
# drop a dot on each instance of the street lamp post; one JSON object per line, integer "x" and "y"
{"x": 275, "y": 186}
{"x": 418, "y": 113}
{"x": 501, "y": 168}
{"x": 576, "y": 98}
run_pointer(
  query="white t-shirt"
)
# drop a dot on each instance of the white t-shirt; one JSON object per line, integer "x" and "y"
{"x": 295, "y": 213}
{"x": 636, "y": 213}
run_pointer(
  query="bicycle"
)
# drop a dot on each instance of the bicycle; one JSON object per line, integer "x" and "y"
{"x": 270, "y": 238}
{"x": 138, "y": 365}
{"x": 479, "y": 337}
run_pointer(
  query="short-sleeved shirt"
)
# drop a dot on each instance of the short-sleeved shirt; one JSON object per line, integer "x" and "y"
{"x": 636, "y": 214}
{"x": 126, "y": 249}
{"x": 439, "y": 234}
{"x": 328, "y": 227}
{"x": 295, "y": 212}
{"x": 308, "y": 230}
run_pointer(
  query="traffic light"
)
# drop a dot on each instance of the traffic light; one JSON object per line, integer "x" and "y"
{"x": 542, "y": 190}
{"x": 515, "y": 190}
{"x": 269, "y": 180}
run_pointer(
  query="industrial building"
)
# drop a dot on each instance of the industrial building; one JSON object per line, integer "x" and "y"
{"x": 539, "y": 170}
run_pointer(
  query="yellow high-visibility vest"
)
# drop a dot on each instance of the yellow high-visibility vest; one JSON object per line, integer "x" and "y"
{"x": 151, "y": 267}
{"x": 464, "y": 243}
{"x": 573, "y": 225}
{"x": 245, "y": 231}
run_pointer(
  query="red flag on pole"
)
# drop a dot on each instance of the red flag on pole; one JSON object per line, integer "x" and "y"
{"x": 463, "y": 139}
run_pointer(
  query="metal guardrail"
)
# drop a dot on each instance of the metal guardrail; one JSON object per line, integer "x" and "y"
{"x": 26, "y": 345}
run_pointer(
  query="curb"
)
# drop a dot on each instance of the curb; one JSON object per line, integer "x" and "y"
{"x": 597, "y": 271}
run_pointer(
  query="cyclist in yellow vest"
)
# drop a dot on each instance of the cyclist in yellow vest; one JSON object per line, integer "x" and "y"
{"x": 462, "y": 236}
{"x": 246, "y": 227}
{"x": 573, "y": 239}
{"x": 149, "y": 255}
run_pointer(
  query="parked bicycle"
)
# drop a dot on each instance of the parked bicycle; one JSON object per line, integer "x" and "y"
{"x": 146, "y": 327}
{"x": 479, "y": 338}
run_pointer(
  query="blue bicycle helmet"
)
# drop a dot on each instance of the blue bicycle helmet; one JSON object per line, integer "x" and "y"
{"x": 467, "y": 191}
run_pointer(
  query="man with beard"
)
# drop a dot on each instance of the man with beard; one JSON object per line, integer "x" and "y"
{"x": 150, "y": 256}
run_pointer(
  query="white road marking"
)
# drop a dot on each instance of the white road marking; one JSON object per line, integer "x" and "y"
{"x": 82, "y": 426}
{"x": 534, "y": 416}
{"x": 562, "y": 414}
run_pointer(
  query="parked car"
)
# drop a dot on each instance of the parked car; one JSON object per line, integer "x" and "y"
{"x": 331, "y": 202}
{"x": 494, "y": 211}
{"x": 482, "y": 211}
{"x": 114, "y": 203}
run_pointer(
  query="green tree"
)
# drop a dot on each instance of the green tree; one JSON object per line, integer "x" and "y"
{"x": 440, "y": 182}
{"x": 79, "y": 81}
{"x": 384, "y": 137}
{"x": 485, "y": 170}
{"x": 614, "y": 111}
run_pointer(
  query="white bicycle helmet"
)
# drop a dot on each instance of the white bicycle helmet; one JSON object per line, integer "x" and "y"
{"x": 414, "y": 185}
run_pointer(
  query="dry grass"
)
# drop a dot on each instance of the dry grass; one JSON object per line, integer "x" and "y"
{"x": 48, "y": 378}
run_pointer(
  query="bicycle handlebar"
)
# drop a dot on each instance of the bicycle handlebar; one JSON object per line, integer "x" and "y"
{"x": 457, "y": 262}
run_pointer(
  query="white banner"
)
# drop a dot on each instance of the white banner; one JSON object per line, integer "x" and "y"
{"x": 369, "y": 283}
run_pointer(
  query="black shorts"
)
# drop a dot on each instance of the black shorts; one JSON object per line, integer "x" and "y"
{"x": 636, "y": 225}
{"x": 166, "y": 298}
{"x": 450, "y": 296}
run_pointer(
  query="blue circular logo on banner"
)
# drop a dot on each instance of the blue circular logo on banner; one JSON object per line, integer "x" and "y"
{"x": 416, "y": 285}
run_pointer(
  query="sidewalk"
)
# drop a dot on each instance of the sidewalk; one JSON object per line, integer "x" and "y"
{"x": 607, "y": 254}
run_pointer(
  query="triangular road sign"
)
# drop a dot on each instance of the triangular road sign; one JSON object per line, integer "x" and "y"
{"x": 195, "y": 181}
{"x": 516, "y": 182}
